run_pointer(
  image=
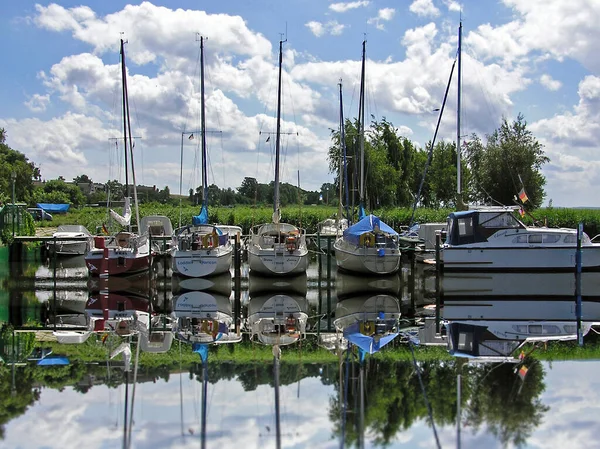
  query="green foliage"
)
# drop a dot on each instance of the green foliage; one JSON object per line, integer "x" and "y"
{"x": 25, "y": 171}
{"x": 58, "y": 191}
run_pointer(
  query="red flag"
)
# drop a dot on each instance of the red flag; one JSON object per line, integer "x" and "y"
{"x": 104, "y": 229}
{"x": 523, "y": 372}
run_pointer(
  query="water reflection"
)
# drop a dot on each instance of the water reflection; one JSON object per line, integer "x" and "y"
{"x": 363, "y": 389}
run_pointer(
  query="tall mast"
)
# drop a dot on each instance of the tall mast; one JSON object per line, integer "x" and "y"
{"x": 203, "y": 126}
{"x": 277, "y": 419}
{"x": 278, "y": 134}
{"x": 204, "y": 401}
{"x": 458, "y": 164}
{"x": 342, "y": 153}
{"x": 124, "y": 92}
{"x": 361, "y": 118}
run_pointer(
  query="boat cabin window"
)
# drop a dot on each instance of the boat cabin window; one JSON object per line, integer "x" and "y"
{"x": 495, "y": 220}
{"x": 535, "y": 238}
{"x": 465, "y": 226}
{"x": 520, "y": 239}
{"x": 156, "y": 228}
{"x": 465, "y": 341}
{"x": 551, "y": 238}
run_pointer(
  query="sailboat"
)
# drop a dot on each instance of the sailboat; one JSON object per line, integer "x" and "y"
{"x": 369, "y": 246}
{"x": 126, "y": 252}
{"x": 201, "y": 249}
{"x": 333, "y": 228}
{"x": 277, "y": 248}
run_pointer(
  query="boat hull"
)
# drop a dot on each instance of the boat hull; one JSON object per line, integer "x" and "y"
{"x": 69, "y": 247}
{"x": 365, "y": 260}
{"x": 478, "y": 258}
{"x": 201, "y": 263}
{"x": 110, "y": 262}
{"x": 276, "y": 263}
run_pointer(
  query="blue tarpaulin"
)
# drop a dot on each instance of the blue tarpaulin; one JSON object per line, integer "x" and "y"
{"x": 54, "y": 208}
{"x": 367, "y": 343}
{"x": 368, "y": 224}
{"x": 54, "y": 361}
{"x": 201, "y": 218}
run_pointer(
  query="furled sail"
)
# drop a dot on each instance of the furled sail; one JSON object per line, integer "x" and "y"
{"x": 124, "y": 219}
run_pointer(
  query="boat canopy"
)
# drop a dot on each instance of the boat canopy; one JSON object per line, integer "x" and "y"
{"x": 370, "y": 223}
{"x": 54, "y": 208}
{"x": 474, "y": 226}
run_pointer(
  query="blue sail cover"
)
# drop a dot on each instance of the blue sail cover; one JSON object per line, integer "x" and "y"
{"x": 368, "y": 224}
{"x": 202, "y": 218}
{"x": 364, "y": 342}
{"x": 201, "y": 349}
{"x": 361, "y": 212}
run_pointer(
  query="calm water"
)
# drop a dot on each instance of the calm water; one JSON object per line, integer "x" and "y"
{"x": 555, "y": 404}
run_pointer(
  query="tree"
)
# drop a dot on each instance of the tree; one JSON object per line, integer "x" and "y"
{"x": 248, "y": 188}
{"x": 82, "y": 179}
{"x": 12, "y": 161}
{"x": 511, "y": 159}
{"x": 58, "y": 191}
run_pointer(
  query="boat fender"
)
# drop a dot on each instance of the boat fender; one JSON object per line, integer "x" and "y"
{"x": 291, "y": 243}
{"x": 215, "y": 239}
{"x": 367, "y": 239}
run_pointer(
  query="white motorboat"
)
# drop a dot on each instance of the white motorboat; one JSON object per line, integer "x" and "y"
{"x": 492, "y": 238}
{"x": 277, "y": 248}
{"x": 63, "y": 245}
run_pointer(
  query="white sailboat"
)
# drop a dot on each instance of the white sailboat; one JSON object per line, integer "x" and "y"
{"x": 201, "y": 249}
{"x": 277, "y": 248}
{"x": 126, "y": 252}
{"x": 369, "y": 246}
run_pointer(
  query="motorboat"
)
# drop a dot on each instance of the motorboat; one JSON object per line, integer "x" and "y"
{"x": 63, "y": 243}
{"x": 493, "y": 238}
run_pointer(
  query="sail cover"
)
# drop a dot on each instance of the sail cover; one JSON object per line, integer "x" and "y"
{"x": 369, "y": 344}
{"x": 124, "y": 219}
{"x": 201, "y": 218}
{"x": 370, "y": 223}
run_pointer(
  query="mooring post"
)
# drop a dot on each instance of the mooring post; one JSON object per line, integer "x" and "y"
{"x": 54, "y": 277}
{"x": 237, "y": 301}
{"x": 328, "y": 258}
{"x": 578, "y": 310}
{"x": 438, "y": 274}
{"x": 150, "y": 257}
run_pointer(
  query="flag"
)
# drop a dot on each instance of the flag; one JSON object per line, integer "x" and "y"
{"x": 104, "y": 229}
{"x": 521, "y": 212}
{"x": 523, "y": 372}
{"x": 191, "y": 137}
{"x": 523, "y": 196}
{"x": 268, "y": 138}
{"x": 104, "y": 337}
{"x": 521, "y": 355}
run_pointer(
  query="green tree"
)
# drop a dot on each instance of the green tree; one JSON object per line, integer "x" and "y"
{"x": 81, "y": 179}
{"x": 58, "y": 191}
{"x": 12, "y": 161}
{"x": 511, "y": 155}
{"x": 248, "y": 188}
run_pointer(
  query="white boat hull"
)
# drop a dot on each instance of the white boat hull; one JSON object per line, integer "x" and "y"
{"x": 274, "y": 262}
{"x": 527, "y": 258}
{"x": 366, "y": 260}
{"x": 69, "y": 247}
{"x": 202, "y": 262}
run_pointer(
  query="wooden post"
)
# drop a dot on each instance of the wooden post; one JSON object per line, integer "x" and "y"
{"x": 237, "y": 281}
{"x": 578, "y": 284}
{"x": 438, "y": 274}
{"x": 328, "y": 258}
{"x": 54, "y": 278}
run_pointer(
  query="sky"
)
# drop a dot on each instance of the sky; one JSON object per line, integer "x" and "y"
{"x": 61, "y": 86}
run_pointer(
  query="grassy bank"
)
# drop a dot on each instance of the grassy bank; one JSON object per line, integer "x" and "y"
{"x": 308, "y": 216}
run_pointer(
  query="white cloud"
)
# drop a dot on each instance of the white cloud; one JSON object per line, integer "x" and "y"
{"x": 38, "y": 103}
{"x": 384, "y": 15}
{"x": 452, "y": 5}
{"x": 333, "y": 27}
{"x": 343, "y": 7}
{"x": 316, "y": 28}
{"x": 549, "y": 83}
{"x": 424, "y": 8}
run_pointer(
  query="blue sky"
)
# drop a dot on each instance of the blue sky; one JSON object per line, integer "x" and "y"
{"x": 61, "y": 92}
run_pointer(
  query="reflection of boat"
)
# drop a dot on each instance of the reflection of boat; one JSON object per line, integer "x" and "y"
{"x": 66, "y": 268}
{"x": 203, "y": 317}
{"x": 136, "y": 284}
{"x": 518, "y": 284}
{"x": 68, "y": 300}
{"x": 490, "y": 329}
{"x": 277, "y": 248}
{"x": 220, "y": 284}
{"x": 492, "y": 238}
{"x": 277, "y": 319}
{"x": 350, "y": 285}
{"x": 65, "y": 247}
{"x": 376, "y": 314}
{"x": 159, "y": 337}
{"x": 118, "y": 313}
{"x": 259, "y": 285}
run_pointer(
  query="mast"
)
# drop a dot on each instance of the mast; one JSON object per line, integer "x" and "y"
{"x": 203, "y": 127}
{"x": 342, "y": 153}
{"x": 127, "y": 128}
{"x": 458, "y": 164}
{"x": 361, "y": 136}
{"x": 124, "y": 93}
{"x": 204, "y": 399}
{"x": 276, "y": 377}
{"x": 278, "y": 135}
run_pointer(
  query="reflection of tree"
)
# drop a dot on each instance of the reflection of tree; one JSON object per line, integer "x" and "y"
{"x": 509, "y": 407}
{"x": 13, "y": 403}
{"x": 493, "y": 397}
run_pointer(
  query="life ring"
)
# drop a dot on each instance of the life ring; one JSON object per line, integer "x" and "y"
{"x": 367, "y": 239}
